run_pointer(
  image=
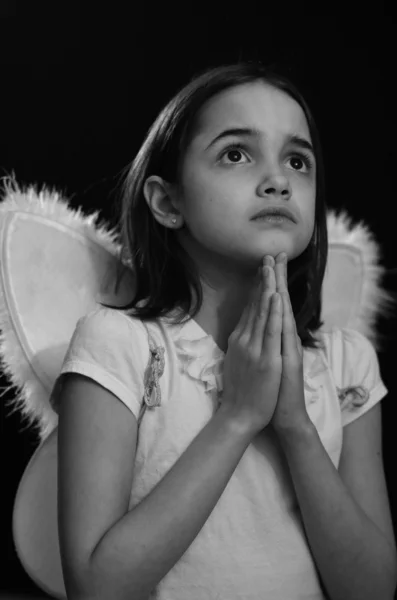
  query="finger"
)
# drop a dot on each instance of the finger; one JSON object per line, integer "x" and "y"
{"x": 289, "y": 341}
{"x": 262, "y": 311}
{"x": 272, "y": 339}
{"x": 286, "y": 270}
{"x": 280, "y": 271}
{"x": 289, "y": 323}
{"x": 272, "y": 283}
{"x": 252, "y": 315}
{"x": 291, "y": 311}
{"x": 269, "y": 261}
{"x": 298, "y": 340}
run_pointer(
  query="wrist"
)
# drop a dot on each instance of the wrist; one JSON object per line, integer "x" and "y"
{"x": 236, "y": 423}
{"x": 299, "y": 431}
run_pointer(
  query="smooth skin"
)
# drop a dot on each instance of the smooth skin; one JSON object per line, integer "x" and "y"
{"x": 290, "y": 410}
{"x": 263, "y": 368}
{"x": 253, "y": 364}
{"x": 224, "y": 185}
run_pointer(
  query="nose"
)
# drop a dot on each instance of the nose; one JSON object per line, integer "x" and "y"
{"x": 275, "y": 185}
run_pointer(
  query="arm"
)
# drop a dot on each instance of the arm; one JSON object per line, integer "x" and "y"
{"x": 355, "y": 560}
{"x": 108, "y": 552}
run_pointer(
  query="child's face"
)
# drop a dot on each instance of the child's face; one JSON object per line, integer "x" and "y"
{"x": 221, "y": 194}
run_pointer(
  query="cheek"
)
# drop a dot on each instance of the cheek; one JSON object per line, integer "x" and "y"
{"x": 208, "y": 201}
{"x": 308, "y": 218}
{"x": 307, "y": 215}
{"x": 306, "y": 198}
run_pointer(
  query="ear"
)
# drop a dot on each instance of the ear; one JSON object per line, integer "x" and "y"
{"x": 161, "y": 198}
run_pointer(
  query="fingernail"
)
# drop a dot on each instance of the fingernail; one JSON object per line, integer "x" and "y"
{"x": 268, "y": 260}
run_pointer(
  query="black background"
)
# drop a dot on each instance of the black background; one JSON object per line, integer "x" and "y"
{"x": 79, "y": 92}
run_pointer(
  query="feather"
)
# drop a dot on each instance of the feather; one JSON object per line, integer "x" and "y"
{"x": 32, "y": 387}
{"x": 352, "y": 293}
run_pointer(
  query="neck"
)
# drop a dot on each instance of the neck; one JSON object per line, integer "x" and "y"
{"x": 221, "y": 310}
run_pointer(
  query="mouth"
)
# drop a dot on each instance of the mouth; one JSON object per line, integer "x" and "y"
{"x": 275, "y": 214}
{"x": 274, "y": 220}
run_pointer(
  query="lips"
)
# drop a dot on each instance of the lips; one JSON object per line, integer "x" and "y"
{"x": 276, "y": 210}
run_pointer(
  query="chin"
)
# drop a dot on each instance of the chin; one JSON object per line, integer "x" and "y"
{"x": 290, "y": 252}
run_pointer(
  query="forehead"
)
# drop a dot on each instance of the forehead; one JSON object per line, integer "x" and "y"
{"x": 256, "y": 104}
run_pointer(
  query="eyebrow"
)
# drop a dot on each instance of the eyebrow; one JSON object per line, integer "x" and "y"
{"x": 291, "y": 138}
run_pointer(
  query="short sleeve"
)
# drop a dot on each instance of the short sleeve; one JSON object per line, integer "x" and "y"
{"x": 112, "y": 349}
{"x": 360, "y": 385}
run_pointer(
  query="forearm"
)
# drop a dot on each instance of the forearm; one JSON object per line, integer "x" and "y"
{"x": 145, "y": 544}
{"x": 354, "y": 559}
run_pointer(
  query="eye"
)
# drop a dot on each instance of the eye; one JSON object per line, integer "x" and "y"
{"x": 302, "y": 158}
{"x": 239, "y": 149}
{"x": 236, "y": 149}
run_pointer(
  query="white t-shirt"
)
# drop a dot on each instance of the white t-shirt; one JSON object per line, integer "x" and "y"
{"x": 253, "y": 544}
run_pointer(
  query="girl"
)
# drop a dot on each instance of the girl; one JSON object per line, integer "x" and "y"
{"x": 219, "y": 472}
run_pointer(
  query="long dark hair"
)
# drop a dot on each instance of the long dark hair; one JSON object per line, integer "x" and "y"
{"x": 165, "y": 275}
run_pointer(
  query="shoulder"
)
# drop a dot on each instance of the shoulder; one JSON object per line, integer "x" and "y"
{"x": 110, "y": 316}
{"x": 109, "y": 339}
{"x": 348, "y": 350}
{"x": 108, "y": 324}
{"x": 111, "y": 348}
{"x": 344, "y": 339}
